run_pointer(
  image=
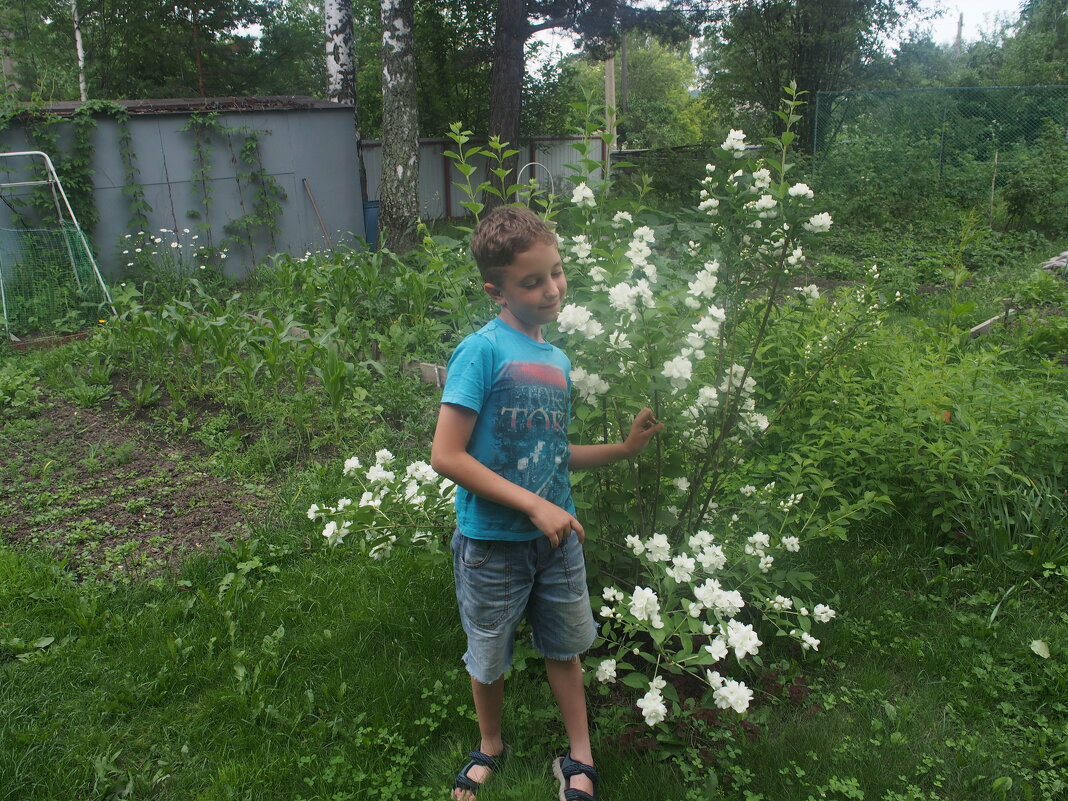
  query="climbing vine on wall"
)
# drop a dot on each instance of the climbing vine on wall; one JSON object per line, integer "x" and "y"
{"x": 259, "y": 195}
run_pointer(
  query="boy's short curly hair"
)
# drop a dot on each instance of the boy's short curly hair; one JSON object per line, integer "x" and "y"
{"x": 503, "y": 234}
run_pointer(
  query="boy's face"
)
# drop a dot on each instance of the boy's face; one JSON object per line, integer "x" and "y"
{"x": 531, "y": 289}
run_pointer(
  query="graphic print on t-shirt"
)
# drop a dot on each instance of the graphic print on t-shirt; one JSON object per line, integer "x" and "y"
{"x": 530, "y": 430}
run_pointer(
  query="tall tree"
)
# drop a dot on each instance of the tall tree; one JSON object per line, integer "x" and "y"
{"x": 755, "y": 47}
{"x": 597, "y": 23}
{"x": 399, "y": 214}
{"x": 340, "y": 52}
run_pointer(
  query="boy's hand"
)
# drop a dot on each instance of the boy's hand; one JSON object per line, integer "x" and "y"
{"x": 642, "y": 430}
{"x": 555, "y": 523}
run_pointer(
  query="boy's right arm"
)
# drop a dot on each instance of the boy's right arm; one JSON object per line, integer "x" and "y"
{"x": 449, "y": 457}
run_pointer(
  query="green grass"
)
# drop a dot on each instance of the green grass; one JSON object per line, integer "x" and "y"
{"x": 277, "y": 670}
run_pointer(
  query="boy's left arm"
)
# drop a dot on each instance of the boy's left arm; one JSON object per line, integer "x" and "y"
{"x": 642, "y": 430}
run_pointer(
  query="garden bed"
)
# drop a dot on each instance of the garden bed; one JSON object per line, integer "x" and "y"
{"x": 110, "y": 500}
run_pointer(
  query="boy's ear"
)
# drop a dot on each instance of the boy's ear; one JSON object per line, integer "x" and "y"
{"x": 494, "y": 292}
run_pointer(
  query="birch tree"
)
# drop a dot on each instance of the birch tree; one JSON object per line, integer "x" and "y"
{"x": 340, "y": 55}
{"x": 399, "y": 213}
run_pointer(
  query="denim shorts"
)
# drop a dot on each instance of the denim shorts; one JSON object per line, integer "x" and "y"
{"x": 498, "y": 582}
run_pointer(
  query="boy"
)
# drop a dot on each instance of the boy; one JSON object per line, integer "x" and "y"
{"x": 502, "y": 437}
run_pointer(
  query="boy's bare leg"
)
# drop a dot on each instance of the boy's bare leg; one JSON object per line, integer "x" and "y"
{"x": 565, "y": 678}
{"x": 489, "y": 707}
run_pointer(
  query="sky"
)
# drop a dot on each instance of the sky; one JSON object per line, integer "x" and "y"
{"x": 978, "y": 15}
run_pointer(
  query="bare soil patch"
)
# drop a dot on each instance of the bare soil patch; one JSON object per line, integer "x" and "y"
{"x": 107, "y": 498}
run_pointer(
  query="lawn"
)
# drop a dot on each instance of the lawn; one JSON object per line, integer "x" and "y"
{"x": 174, "y": 626}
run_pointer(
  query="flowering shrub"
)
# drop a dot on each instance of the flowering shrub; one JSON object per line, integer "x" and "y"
{"x": 692, "y": 562}
{"x": 387, "y": 505}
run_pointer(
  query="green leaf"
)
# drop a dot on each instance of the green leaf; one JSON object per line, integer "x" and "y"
{"x": 635, "y": 680}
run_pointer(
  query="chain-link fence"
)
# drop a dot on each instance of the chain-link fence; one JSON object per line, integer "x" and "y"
{"x": 987, "y": 146}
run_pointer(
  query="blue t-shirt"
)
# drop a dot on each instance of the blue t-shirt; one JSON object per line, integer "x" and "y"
{"x": 521, "y": 390}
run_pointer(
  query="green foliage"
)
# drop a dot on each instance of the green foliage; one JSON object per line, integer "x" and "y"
{"x": 19, "y": 393}
{"x": 1037, "y": 190}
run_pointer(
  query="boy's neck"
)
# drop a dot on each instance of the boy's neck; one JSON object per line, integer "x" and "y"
{"x": 510, "y": 320}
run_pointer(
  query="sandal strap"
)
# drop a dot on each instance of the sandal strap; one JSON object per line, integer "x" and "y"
{"x": 494, "y": 763}
{"x": 571, "y": 794}
{"x": 572, "y": 767}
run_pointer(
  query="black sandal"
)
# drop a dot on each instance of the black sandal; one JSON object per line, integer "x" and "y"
{"x": 564, "y": 768}
{"x": 494, "y": 763}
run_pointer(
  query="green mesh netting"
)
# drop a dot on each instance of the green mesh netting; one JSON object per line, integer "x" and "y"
{"x": 956, "y": 142}
{"x": 48, "y": 282}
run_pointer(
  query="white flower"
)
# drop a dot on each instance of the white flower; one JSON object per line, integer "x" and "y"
{"x": 606, "y": 671}
{"x": 645, "y": 234}
{"x": 611, "y": 594}
{"x": 765, "y": 563}
{"x": 421, "y": 472}
{"x": 621, "y": 218}
{"x": 681, "y": 484}
{"x": 344, "y": 503}
{"x": 808, "y": 642}
{"x": 652, "y": 707}
{"x": 823, "y": 613}
{"x": 583, "y": 196}
{"x": 678, "y": 371}
{"x": 581, "y": 247}
{"x": 704, "y": 284}
{"x": 712, "y": 558}
{"x": 709, "y": 205}
{"x": 748, "y": 490}
{"x": 791, "y": 544}
{"x": 702, "y": 539}
{"x": 588, "y": 385}
{"x": 644, "y": 605}
{"x": 713, "y": 678}
{"x": 383, "y": 456}
{"x": 800, "y": 190}
{"x": 733, "y": 695}
{"x": 607, "y": 612}
{"x": 735, "y": 143}
{"x": 682, "y": 568}
{"x": 334, "y": 533}
{"x": 635, "y": 543}
{"x": 352, "y": 464}
{"x": 765, "y": 204}
{"x": 780, "y": 603}
{"x": 762, "y": 178}
{"x": 760, "y": 539}
{"x": 818, "y": 223}
{"x": 379, "y": 475}
{"x": 313, "y": 511}
{"x": 370, "y": 499}
{"x": 578, "y": 319}
{"x": 742, "y": 638}
{"x": 717, "y": 648}
{"x": 658, "y": 548}
{"x": 811, "y": 293}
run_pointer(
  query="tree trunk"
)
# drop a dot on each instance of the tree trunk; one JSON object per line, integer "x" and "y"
{"x": 399, "y": 213}
{"x": 340, "y": 58}
{"x": 506, "y": 82}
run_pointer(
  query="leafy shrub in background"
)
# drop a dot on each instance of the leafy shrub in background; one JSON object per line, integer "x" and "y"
{"x": 1036, "y": 194}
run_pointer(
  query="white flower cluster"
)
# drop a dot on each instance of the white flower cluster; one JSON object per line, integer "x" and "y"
{"x": 639, "y": 251}
{"x": 574, "y": 319}
{"x": 652, "y": 705}
{"x": 626, "y": 298}
{"x": 715, "y": 610}
{"x": 418, "y": 489}
{"x": 588, "y": 385}
{"x": 709, "y": 204}
{"x": 735, "y": 143}
{"x": 818, "y": 223}
{"x": 583, "y": 196}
